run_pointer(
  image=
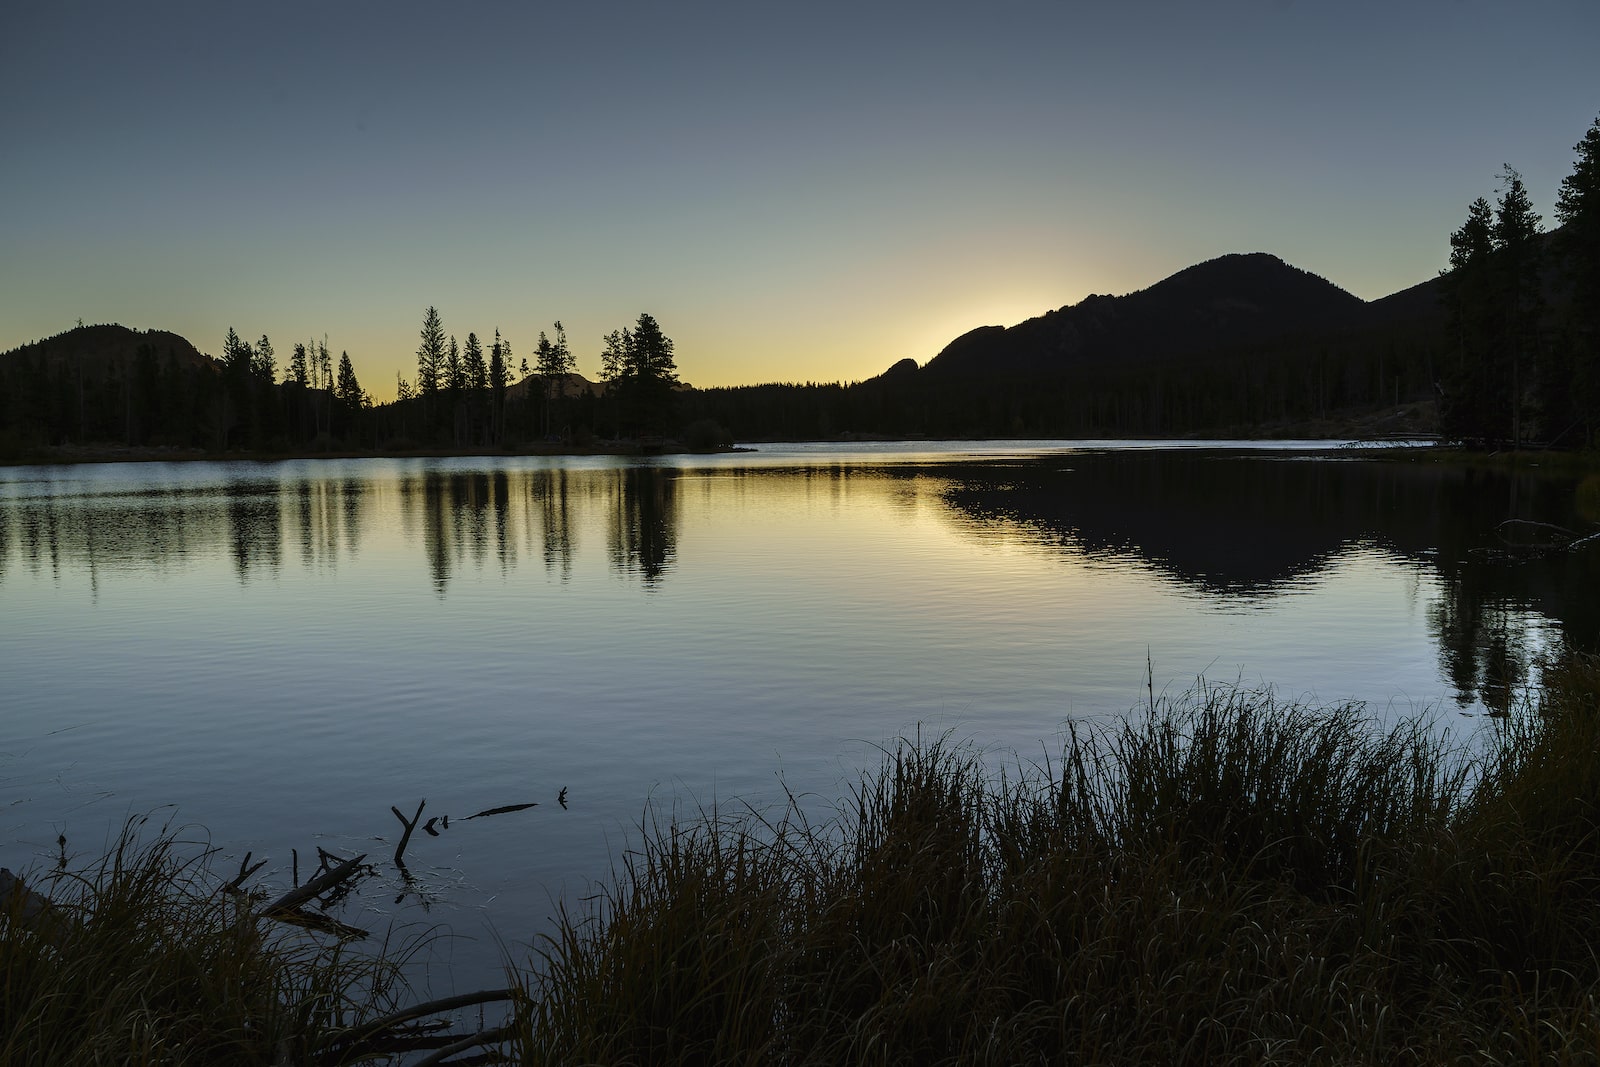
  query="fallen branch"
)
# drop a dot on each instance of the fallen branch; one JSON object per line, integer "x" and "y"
{"x": 502, "y": 811}
{"x": 310, "y": 920}
{"x": 417, "y": 1011}
{"x": 245, "y": 871}
{"x": 364, "y": 1034}
{"x": 316, "y": 887}
{"x": 1550, "y": 537}
{"x": 410, "y": 825}
{"x": 1550, "y": 533}
{"x": 483, "y": 1037}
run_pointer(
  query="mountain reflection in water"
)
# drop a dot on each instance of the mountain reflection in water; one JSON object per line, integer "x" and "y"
{"x": 1248, "y": 525}
{"x": 286, "y": 650}
{"x": 1230, "y": 527}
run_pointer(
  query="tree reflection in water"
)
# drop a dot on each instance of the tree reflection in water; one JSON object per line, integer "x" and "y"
{"x": 1235, "y": 527}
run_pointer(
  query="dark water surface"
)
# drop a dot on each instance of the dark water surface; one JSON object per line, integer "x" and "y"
{"x": 280, "y": 651}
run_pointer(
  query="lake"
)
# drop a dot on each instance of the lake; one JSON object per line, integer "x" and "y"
{"x": 273, "y": 654}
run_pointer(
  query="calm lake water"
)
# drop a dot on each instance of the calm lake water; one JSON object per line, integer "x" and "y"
{"x": 278, "y": 652}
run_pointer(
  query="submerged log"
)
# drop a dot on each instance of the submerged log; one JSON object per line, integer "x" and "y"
{"x": 410, "y": 825}
{"x": 508, "y": 808}
{"x": 1529, "y": 536}
{"x": 391, "y": 1032}
{"x": 316, "y": 887}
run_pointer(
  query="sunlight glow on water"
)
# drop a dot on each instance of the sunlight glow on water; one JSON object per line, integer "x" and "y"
{"x": 284, "y": 650}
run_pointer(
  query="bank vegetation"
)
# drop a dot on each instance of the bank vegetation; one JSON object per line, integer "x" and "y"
{"x": 1219, "y": 877}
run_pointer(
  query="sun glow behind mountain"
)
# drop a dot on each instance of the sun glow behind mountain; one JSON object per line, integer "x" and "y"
{"x": 793, "y": 197}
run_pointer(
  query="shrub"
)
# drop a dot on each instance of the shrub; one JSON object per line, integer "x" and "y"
{"x": 706, "y": 435}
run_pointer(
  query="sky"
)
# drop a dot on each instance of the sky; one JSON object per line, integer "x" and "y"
{"x": 796, "y": 192}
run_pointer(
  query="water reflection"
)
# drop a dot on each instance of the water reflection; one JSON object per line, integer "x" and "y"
{"x": 551, "y": 490}
{"x": 255, "y": 524}
{"x": 644, "y": 523}
{"x": 1229, "y": 529}
{"x": 1250, "y": 526}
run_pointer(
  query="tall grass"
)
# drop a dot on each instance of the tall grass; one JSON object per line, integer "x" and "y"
{"x": 142, "y": 959}
{"x": 1223, "y": 878}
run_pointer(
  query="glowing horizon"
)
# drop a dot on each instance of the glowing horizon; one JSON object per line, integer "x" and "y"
{"x": 793, "y": 198}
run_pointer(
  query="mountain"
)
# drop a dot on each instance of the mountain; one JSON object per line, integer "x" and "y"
{"x": 1229, "y": 304}
{"x": 104, "y": 351}
{"x": 571, "y": 385}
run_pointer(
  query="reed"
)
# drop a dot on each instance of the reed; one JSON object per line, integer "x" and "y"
{"x": 1221, "y": 878}
{"x": 1224, "y": 878}
{"x": 144, "y": 959}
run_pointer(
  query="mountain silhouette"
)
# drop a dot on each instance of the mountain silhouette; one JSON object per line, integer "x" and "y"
{"x": 99, "y": 352}
{"x": 1232, "y": 303}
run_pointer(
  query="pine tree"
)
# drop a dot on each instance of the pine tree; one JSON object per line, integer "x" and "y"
{"x": 455, "y": 387}
{"x": 1578, "y": 245}
{"x": 613, "y": 358}
{"x": 236, "y": 354}
{"x": 455, "y": 378}
{"x": 325, "y": 361}
{"x": 553, "y": 362}
{"x": 1517, "y": 262}
{"x": 477, "y": 370}
{"x": 237, "y": 394}
{"x": 265, "y": 364}
{"x": 298, "y": 371}
{"x": 1492, "y": 296}
{"x": 499, "y": 378}
{"x": 346, "y": 389}
{"x": 325, "y": 383}
{"x": 430, "y": 353}
{"x": 649, "y": 376}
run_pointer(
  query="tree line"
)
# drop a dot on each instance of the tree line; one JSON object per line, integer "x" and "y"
{"x": 1523, "y": 362}
{"x": 1512, "y": 358}
{"x": 1291, "y": 381}
{"x": 84, "y": 387}
{"x": 464, "y": 398}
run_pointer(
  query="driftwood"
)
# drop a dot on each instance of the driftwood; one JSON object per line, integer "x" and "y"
{"x": 1554, "y": 538}
{"x": 483, "y": 1037}
{"x": 310, "y": 920}
{"x": 390, "y": 1033}
{"x": 316, "y": 887}
{"x": 410, "y": 825}
{"x": 507, "y": 809}
{"x": 245, "y": 871}
{"x": 417, "y": 1011}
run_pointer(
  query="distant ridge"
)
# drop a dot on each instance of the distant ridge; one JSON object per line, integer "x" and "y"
{"x": 1233, "y": 302}
{"x": 105, "y": 350}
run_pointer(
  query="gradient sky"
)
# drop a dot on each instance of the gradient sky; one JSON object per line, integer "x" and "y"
{"x": 795, "y": 191}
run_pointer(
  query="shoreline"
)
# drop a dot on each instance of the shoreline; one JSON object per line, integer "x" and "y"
{"x": 75, "y": 455}
{"x": 72, "y": 455}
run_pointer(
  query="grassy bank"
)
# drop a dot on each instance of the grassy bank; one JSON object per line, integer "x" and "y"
{"x": 146, "y": 958}
{"x": 1223, "y": 878}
